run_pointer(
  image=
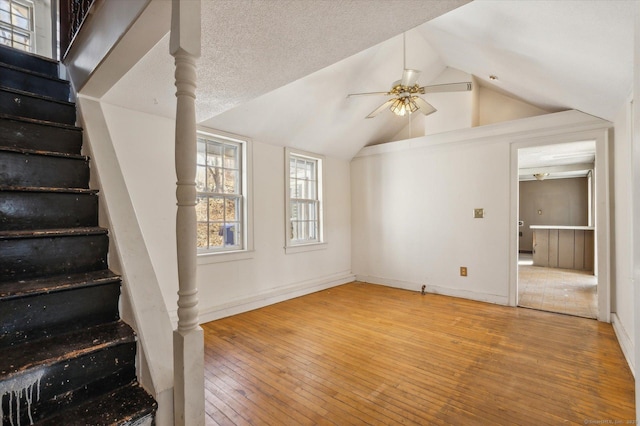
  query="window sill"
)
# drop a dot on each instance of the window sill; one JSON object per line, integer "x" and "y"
{"x": 305, "y": 247}
{"x": 229, "y": 256}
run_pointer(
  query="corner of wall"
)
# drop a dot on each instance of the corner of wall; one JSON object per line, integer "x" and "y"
{"x": 624, "y": 340}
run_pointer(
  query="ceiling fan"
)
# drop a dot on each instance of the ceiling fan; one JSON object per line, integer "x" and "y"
{"x": 406, "y": 91}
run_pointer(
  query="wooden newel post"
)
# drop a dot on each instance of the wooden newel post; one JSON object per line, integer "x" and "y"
{"x": 188, "y": 338}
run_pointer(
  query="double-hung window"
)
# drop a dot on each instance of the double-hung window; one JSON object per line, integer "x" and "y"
{"x": 16, "y": 24}
{"x": 221, "y": 187}
{"x": 304, "y": 198}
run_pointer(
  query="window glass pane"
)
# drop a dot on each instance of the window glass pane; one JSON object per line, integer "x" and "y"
{"x": 313, "y": 231}
{"x": 231, "y": 181}
{"x": 4, "y": 14}
{"x": 294, "y": 210}
{"x": 202, "y": 229}
{"x": 231, "y": 157}
{"x": 5, "y": 37}
{"x": 214, "y": 179}
{"x": 292, "y": 188}
{"x": 229, "y": 234}
{"x": 214, "y": 154}
{"x": 215, "y": 235}
{"x": 311, "y": 212}
{"x": 292, "y": 167}
{"x": 201, "y": 180}
{"x": 201, "y": 209}
{"x": 232, "y": 209}
{"x": 21, "y": 17}
{"x": 216, "y": 209}
{"x": 301, "y": 171}
{"x": 311, "y": 190}
{"x": 202, "y": 152}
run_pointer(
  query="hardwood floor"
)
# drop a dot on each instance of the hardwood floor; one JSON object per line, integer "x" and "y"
{"x": 365, "y": 354}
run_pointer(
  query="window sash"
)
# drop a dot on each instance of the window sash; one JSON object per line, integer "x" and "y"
{"x": 304, "y": 200}
{"x": 220, "y": 202}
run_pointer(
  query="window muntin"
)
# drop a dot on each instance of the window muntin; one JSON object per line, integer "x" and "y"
{"x": 220, "y": 200}
{"x": 304, "y": 199}
{"x": 16, "y": 24}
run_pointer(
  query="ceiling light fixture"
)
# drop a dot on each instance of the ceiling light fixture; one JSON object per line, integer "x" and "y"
{"x": 406, "y": 91}
{"x": 540, "y": 176}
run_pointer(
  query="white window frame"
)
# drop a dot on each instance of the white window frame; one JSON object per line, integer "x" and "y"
{"x": 295, "y": 246}
{"x": 206, "y": 256}
{"x": 12, "y": 29}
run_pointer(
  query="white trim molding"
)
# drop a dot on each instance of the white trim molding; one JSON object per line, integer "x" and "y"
{"x": 270, "y": 297}
{"x": 435, "y": 289}
{"x": 624, "y": 340}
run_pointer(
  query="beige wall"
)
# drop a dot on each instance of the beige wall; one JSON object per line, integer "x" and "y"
{"x": 560, "y": 202}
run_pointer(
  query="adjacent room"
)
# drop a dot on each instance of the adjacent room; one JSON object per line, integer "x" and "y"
{"x": 556, "y": 266}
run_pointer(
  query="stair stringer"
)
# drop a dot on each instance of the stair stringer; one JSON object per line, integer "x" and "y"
{"x": 142, "y": 304}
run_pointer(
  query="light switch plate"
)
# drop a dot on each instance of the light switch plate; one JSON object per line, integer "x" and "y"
{"x": 478, "y": 213}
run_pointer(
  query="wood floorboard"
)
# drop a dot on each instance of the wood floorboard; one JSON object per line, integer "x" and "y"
{"x": 367, "y": 354}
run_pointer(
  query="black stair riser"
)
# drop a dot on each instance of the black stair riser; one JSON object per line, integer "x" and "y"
{"x": 39, "y": 136}
{"x": 29, "y": 62}
{"x": 18, "y": 169}
{"x": 40, "y": 315}
{"x": 47, "y": 210}
{"x": 17, "y": 79}
{"x": 74, "y": 380}
{"x": 23, "y": 105}
{"x": 38, "y": 257}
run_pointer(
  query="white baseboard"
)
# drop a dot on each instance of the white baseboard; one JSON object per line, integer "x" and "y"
{"x": 445, "y": 291}
{"x": 270, "y": 297}
{"x": 623, "y": 339}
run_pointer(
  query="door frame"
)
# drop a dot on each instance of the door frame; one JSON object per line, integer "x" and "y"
{"x": 602, "y": 220}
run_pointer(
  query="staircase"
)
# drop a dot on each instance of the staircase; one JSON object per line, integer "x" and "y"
{"x": 66, "y": 358}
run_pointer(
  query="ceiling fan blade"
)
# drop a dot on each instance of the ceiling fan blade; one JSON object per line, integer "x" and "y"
{"x": 409, "y": 77}
{"x": 425, "y": 107}
{"x": 368, "y": 93}
{"x": 381, "y": 108}
{"x": 450, "y": 87}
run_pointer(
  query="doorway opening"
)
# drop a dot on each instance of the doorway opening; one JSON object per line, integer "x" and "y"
{"x": 557, "y": 268}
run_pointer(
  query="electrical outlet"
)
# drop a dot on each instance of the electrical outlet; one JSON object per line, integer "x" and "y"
{"x": 463, "y": 271}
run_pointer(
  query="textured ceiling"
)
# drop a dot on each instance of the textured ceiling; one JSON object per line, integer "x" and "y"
{"x": 252, "y": 47}
{"x": 278, "y": 71}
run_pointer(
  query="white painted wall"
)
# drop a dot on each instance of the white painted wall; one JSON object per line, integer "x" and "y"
{"x": 42, "y": 18}
{"x": 413, "y": 219}
{"x": 622, "y": 297}
{"x": 144, "y": 145}
{"x": 495, "y": 107}
{"x": 413, "y": 202}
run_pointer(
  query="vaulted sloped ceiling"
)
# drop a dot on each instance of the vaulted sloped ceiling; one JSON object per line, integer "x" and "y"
{"x": 279, "y": 71}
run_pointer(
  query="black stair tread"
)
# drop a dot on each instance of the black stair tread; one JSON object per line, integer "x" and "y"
{"x": 31, "y": 72}
{"x": 126, "y": 405}
{"x": 29, "y": 60}
{"x": 49, "y": 284}
{"x": 35, "y": 95}
{"x": 61, "y": 347}
{"x": 45, "y": 153}
{"x": 44, "y": 233}
{"x": 47, "y": 189}
{"x": 42, "y": 122}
